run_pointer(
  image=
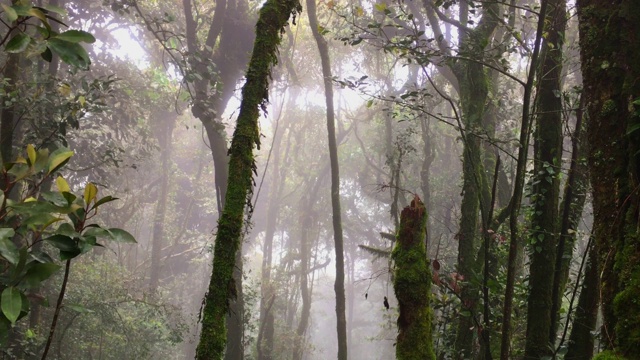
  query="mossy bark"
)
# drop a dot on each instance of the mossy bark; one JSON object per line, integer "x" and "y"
{"x": 546, "y": 186}
{"x": 412, "y": 285}
{"x": 273, "y": 18}
{"x": 611, "y": 68}
{"x": 474, "y": 89}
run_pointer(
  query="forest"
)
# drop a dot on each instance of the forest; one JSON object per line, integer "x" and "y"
{"x": 301, "y": 180}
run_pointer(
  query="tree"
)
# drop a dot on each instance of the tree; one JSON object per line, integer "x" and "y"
{"x": 546, "y": 185}
{"x": 274, "y": 16}
{"x": 335, "y": 181}
{"x": 610, "y": 69}
{"x": 412, "y": 285}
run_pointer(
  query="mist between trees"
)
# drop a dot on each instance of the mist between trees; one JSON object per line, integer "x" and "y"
{"x": 235, "y": 179}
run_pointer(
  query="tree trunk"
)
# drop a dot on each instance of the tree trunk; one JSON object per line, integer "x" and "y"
{"x": 412, "y": 285}
{"x": 582, "y": 340}
{"x": 575, "y": 194}
{"x": 274, "y": 16}
{"x": 611, "y": 68}
{"x": 546, "y": 185}
{"x": 167, "y": 121}
{"x": 335, "y": 183}
{"x": 305, "y": 253}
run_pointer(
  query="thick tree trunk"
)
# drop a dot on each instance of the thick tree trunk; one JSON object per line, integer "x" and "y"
{"x": 611, "y": 68}
{"x": 546, "y": 186}
{"x": 412, "y": 285}
{"x": 274, "y": 16}
{"x": 335, "y": 182}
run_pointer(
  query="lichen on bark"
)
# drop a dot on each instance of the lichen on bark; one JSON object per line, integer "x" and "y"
{"x": 412, "y": 285}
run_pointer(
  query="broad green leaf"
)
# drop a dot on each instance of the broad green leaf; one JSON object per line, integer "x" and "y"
{"x": 66, "y": 229}
{"x": 104, "y": 200}
{"x": 40, "y": 272}
{"x": 55, "y": 9}
{"x": 39, "y": 14}
{"x": 71, "y": 53}
{"x": 67, "y": 255}
{"x": 62, "y": 242}
{"x": 18, "y": 43}
{"x": 90, "y": 192}
{"x": 11, "y": 303}
{"x": 47, "y": 55}
{"x": 6, "y": 233}
{"x": 12, "y": 15}
{"x": 55, "y": 198}
{"x": 45, "y": 219}
{"x": 76, "y": 36}
{"x": 119, "y": 235}
{"x": 31, "y": 152}
{"x": 8, "y": 250}
{"x": 97, "y": 231}
{"x": 58, "y": 159}
{"x": 62, "y": 185}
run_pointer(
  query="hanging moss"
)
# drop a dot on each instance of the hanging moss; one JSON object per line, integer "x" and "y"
{"x": 274, "y": 16}
{"x": 412, "y": 285}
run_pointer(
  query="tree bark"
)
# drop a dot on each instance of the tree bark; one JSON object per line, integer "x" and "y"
{"x": 167, "y": 121}
{"x": 273, "y": 18}
{"x": 610, "y": 68}
{"x": 546, "y": 185}
{"x": 412, "y": 285}
{"x": 335, "y": 183}
{"x": 581, "y": 341}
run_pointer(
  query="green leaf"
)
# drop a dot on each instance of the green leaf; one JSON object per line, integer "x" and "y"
{"x": 18, "y": 43}
{"x": 68, "y": 255}
{"x": 71, "y": 53}
{"x": 47, "y": 55}
{"x": 104, "y": 200}
{"x": 76, "y": 36}
{"x": 119, "y": 235}
{"x": 59, "y": 158}
{"x": 40, "y": 272}
{"x": 8, "y": 250}
{"x": 11, "y": 303}
{"x": 55, "y": 9}
{"x": 12, "y": 15}
{"x": 62, "y": 242}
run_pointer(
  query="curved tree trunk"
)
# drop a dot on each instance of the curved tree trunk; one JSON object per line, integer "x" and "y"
{"x": 274, "y": 16}
{"x": 335, "y": 183}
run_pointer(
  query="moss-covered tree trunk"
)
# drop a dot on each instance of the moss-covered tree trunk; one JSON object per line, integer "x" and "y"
{"x": 412, "y": 285}
{"x": 546, "y": 185}
{"x": 609, "y": 43}
{"x": 273, "y": 18}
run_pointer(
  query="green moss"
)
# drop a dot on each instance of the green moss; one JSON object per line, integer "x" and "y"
{"x": 608, "y": 108}
{"x": 412, "y": 286}
{"x": 608, "y": 355}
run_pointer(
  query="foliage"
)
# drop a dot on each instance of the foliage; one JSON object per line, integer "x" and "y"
{"x": 29, "y": 221}
{"x": 41, "y": 39}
